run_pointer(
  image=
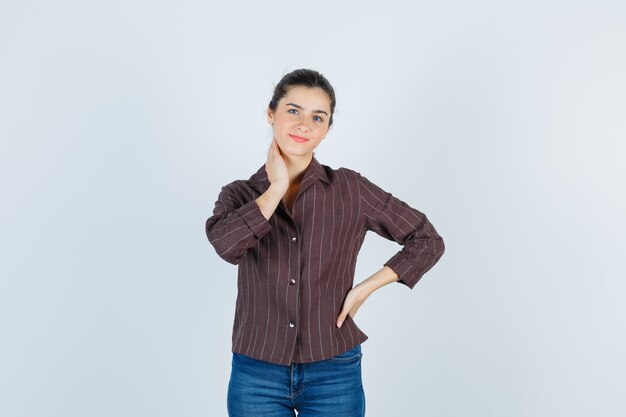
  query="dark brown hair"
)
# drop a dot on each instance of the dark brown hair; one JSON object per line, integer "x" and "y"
{"x": 304, "y": 78}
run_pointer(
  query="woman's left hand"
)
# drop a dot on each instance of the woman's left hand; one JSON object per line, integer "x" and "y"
{"x": 355, "y": 297}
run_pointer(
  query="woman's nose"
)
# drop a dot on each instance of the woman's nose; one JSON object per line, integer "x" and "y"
{"x": 303, "y": 125}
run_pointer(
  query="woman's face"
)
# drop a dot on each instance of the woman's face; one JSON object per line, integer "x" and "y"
{"x": 300, "y": 120}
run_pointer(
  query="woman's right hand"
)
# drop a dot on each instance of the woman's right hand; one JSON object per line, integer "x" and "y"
{"x": 276, "y": 167}
{"x": 278, "y": 176}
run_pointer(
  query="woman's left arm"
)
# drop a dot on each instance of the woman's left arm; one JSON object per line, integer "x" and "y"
{"x": 359, "y": 293}
{"x": 395, "y": 220}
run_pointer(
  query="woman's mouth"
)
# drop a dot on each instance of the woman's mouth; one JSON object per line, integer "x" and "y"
{"x": 298, "y": 138}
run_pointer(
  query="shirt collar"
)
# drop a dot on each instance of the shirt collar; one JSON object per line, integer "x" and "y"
{"x": 314, "y": 171}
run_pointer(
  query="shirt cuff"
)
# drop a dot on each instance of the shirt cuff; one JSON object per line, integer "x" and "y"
{"x": 254, "y": 218}
{"x": 404, "y": 269}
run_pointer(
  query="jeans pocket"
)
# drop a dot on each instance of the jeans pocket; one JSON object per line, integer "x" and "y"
{"x": 348, "y": 356}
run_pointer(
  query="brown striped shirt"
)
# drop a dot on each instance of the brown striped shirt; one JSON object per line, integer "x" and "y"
{"x": 295, "y": 269}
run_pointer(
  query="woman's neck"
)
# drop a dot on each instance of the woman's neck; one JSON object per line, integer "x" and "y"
{"x": 296, "y": 165}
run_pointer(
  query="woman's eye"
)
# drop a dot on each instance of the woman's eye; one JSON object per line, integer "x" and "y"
{"x": 290, "y": 110}
{"x": 319, "y": 119}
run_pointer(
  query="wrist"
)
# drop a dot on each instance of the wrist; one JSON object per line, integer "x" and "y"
{"x": 279, "y": 187}
{"x": 368, "y": 286}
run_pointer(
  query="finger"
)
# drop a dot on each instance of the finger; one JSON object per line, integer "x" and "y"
{"x": 341, "y": 318}
{"x": 278, "y": 150}
{"x": 273, "y": 151}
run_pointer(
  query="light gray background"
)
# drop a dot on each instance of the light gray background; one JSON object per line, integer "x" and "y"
{"x": 502, "y": 121}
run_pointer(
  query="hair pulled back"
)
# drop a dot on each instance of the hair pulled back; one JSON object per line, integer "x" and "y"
{"x": 304, "y": 78}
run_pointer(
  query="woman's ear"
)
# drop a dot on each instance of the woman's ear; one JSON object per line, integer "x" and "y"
{"x": 270, "y": 117}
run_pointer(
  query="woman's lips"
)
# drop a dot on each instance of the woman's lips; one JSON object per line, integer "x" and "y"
{"x": 298, "y": 138}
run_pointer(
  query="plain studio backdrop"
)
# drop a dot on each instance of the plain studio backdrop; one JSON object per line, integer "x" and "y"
{"x": 504, "y": 122}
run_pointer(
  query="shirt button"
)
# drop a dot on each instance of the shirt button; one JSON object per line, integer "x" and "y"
{"x": 292, "y": 281}
{"x": 293, "y": 239}
{"x": 291, "y": 324}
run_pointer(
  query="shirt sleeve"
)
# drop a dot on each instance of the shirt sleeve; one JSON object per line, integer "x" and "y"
{"x": 395, "y": 220}
{"x": 235, "y": 225}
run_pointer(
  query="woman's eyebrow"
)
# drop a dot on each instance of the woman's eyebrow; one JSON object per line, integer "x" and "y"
{"x": 301, "y": 108}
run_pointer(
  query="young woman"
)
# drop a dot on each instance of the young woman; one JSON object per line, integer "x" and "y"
{"x": 294, "y": 228}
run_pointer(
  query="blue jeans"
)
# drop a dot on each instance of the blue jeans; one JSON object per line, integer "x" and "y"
{"x": 328, "y": 388}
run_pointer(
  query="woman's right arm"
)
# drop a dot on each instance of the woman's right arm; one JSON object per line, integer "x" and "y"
{"x": 236, "y": 225}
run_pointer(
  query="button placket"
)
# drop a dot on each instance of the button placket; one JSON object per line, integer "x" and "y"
{"x": 294, "y": 251}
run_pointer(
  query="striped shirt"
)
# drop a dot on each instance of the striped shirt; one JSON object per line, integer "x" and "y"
{"x": 295, "y": 269}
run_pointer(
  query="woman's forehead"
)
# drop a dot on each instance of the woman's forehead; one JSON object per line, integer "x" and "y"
{"x": 307, "y": 97}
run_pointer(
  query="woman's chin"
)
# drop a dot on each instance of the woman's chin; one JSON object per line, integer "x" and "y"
{"x": 296, "y": 151}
